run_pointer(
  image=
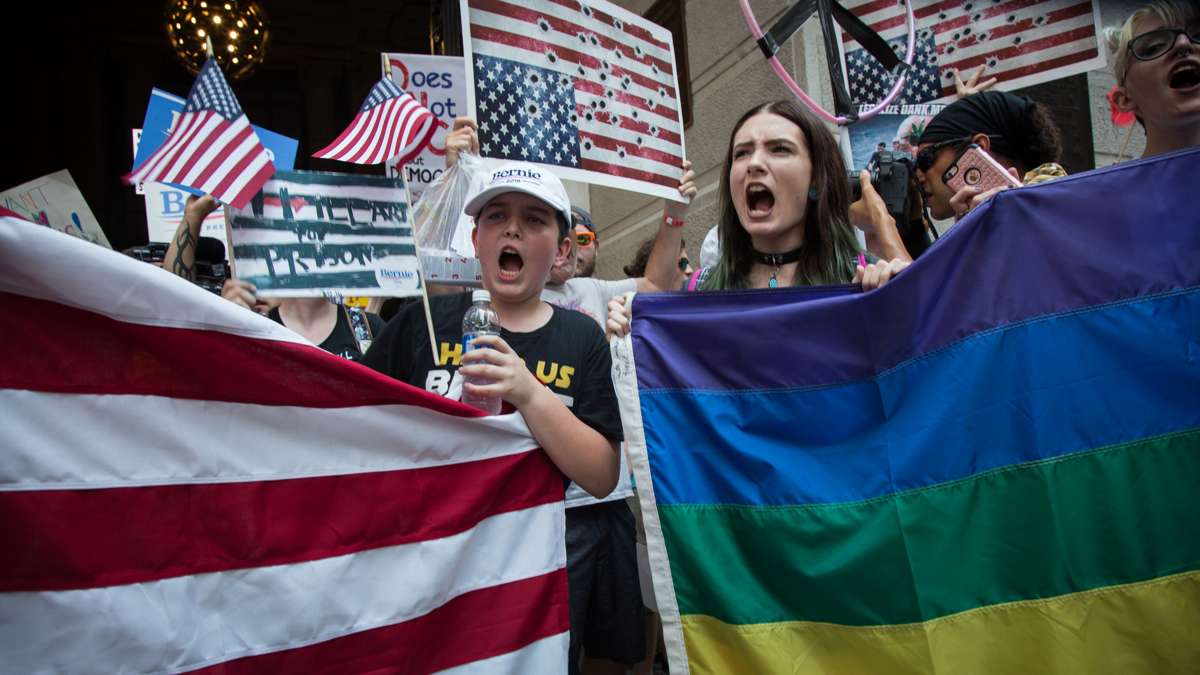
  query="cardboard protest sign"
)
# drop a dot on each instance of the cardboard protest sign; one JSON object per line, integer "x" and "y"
{"x": 898, "y": 128}
{"x": 439, "y": 83}
{"x": 56, "y": 202}
{"x": 1019, "y": 43}
{"x": 311, "y": 233}
{"x": 587, "y": 89}
{"x": 163, "y": 111}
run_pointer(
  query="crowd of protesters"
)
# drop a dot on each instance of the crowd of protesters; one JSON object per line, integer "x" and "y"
{"x": 786, "y": 218}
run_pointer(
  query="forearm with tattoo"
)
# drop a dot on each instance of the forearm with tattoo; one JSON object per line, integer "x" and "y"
{"x": 183, "y": 242}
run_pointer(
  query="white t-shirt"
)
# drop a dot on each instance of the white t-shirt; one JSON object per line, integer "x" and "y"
{"x": 591, "y": 296}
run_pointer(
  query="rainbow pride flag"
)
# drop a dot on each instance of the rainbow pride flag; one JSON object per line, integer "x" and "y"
{"x": 990, "y": 465}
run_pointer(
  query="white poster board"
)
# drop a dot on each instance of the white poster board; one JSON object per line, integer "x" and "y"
{"x": 56, "y": 202}
{"x": 310, "y": 233}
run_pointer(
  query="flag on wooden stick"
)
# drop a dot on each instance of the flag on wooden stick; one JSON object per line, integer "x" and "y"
{"x": 391, "y": 123}
{"x": 212, "y": 147}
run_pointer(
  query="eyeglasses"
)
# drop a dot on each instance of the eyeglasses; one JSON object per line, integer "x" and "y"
{"x": 684, "y": 263}
{"x": 1153, "y": 44}
{"x": 927, "y": 155}
{"x": 585, "y": 239}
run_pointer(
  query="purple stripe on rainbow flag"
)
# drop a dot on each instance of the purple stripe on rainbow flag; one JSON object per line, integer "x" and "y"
{"x": 939, "y": 300}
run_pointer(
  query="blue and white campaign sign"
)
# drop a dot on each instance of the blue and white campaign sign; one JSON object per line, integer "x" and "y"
{"x": 164, "y": 110}
{"x": 439, "y": 83}
{"x": 164, "y": 208}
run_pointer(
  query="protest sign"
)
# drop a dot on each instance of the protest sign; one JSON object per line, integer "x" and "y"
{"x": 589, "y": 90}
{"x": 897, "y": 127}
{"x": 312, "y": 233}
{"x": 164, "y": 208}
{"x": 1019, "y": 43}
{"x": 439, "y": 83}
{"x": 56, "y": 202}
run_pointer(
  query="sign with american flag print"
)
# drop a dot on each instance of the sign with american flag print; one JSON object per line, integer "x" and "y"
{"x": 586, "y": 88}
{"x": 1020, "y": 42}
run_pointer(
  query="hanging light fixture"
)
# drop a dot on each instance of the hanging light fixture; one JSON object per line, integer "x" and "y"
{"x": 238, "y": 30}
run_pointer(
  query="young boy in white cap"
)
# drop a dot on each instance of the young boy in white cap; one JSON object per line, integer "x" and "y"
{"x": 549, "y": 363}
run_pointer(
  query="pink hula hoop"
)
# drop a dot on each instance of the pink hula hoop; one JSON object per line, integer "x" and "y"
{"x": 813, "y": 105}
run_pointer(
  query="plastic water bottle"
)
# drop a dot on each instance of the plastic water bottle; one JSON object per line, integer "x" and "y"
{"x": 480, "y": 319}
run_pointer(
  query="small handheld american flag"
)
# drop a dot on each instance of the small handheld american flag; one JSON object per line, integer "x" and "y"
{"x": 391, "y": 123}
{"x": 212, "y": 147}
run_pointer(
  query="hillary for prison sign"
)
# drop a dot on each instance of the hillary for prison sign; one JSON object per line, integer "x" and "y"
{"x": 311, "y": 233}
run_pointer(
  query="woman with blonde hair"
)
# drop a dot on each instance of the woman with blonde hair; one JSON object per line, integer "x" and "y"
{"x": 1156, "y": 60}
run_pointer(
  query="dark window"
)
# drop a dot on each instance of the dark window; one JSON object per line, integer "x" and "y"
{"x": 669, "y": 14}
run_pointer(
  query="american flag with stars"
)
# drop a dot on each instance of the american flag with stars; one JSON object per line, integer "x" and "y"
{"x": 391, "y": 124}
{"x": 585, "y": 87}
{"x": 1021, "y": 43}
{"x": 212, "y": 147}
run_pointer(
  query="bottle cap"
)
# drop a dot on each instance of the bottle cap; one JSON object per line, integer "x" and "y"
{"x": 480, "y": 295}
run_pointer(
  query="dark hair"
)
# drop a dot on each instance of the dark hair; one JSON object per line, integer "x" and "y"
{"x": 637, "y": 267}
{"x": 1021, "y": 130}
{"x": 1044, "y": 143}
{"x": 828, "y": 253}
{"x": 563, "y": 226}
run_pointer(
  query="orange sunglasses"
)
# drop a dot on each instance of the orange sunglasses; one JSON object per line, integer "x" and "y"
{"x": 585, "y": 239}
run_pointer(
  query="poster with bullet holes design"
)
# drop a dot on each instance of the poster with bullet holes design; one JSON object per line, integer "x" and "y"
{"x": 1020, "y": 43}
{"x": 586, "y": 88}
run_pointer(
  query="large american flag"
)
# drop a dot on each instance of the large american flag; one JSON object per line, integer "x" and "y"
{"x": 194, "y": 488}
{"x": 1021, "y": 42}
{"x": 390, "y": 124}
{"x": 212, "y": 147}
{"x": 585, "y": 87}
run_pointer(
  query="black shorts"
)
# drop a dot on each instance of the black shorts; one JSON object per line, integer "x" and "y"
{"x": 607, "y": 614}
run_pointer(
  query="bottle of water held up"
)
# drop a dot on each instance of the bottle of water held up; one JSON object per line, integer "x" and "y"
{"x": 480, "y": 319}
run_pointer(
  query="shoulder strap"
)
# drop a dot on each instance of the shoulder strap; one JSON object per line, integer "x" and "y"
{"x": 697, "y": 276}
{"x": 360, "y": 326}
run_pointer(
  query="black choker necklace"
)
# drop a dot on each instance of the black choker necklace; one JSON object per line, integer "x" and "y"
{"x": 776, "y": 259}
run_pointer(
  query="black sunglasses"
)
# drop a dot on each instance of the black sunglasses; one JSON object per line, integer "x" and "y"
{"x": 683, "y": 264}
{"x": 1153, "y": 44}
{"x": 927, "y": 155}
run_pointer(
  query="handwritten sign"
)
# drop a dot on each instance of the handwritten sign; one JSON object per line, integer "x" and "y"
{"x": 56, "y": 202}
{"x": 311, "y": 233}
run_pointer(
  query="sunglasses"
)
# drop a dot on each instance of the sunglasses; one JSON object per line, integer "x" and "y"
{"x": 1153, "y": 44}
{"x": 684, "y": 263}
{"x": 585, "y": 239}
{"x": 927, "y": 155}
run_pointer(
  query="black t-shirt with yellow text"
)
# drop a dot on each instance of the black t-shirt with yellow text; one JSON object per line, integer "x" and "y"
{"x": 568, "y": 354}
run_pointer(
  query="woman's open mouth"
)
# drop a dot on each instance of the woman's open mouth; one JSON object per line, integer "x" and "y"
{"x": 759, "y": 201}
{"x": 1185, "y": 76}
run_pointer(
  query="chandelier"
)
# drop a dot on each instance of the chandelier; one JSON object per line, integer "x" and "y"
{"x": 238, "y": 31}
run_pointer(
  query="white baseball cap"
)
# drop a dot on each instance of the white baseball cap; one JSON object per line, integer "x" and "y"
{"x": 522, "y": 177}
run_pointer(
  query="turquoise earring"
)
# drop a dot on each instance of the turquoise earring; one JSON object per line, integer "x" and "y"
{"x": 812, "y": 194}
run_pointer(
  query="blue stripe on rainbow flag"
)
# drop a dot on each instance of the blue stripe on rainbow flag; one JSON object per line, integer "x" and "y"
{"x": 1034, "y": 391}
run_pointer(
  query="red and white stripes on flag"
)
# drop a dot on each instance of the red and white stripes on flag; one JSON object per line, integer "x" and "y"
{"x": 212, "y": 146}
{"x": 186, "y": 486}
{"x": 390, "y": 124}
{"x": 1021, "y": 42}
